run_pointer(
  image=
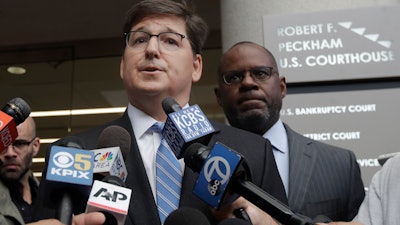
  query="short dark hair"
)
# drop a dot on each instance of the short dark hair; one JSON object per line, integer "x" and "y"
{"x": 196, "y": 27}
{"x": 268, "y": 52}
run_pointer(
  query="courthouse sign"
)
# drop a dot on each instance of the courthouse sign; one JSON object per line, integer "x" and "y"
{"x": 335, "y": 45}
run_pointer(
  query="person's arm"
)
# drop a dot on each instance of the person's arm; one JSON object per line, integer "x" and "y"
{"x": 257, "y": 216}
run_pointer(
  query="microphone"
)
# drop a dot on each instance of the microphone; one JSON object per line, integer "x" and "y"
{"x": 71, "y": 142}
{"x": 242, "y": 214}
{"x": 186, "y": 216}
{"x": 221, "y": 170}
{"x": 110, "y": 197}
{"x": 114, "y": 144}
{"x": 184, "y": 126}
{"x": 113, "y": 136}
{"x": 68, "y": 180}
{"x": 234, "y": 221}
{"x": 11, "y": 115}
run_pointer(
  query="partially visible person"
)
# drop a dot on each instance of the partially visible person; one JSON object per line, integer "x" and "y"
{"x": 319, "y": 179}
{"x": 18, "y": 186}
{"x": 162, "y": 58}
{"x": 381, "y": 205}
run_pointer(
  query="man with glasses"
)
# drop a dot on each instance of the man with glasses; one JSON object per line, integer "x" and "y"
{"x": 15, "y": 173}
{"x": 319, "y": 179}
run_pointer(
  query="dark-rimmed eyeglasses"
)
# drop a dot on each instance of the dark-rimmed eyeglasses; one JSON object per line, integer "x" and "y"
{"x": 21, "y": 144}
{"x": 138, "y": 40}
{"x": 259, "y": 74}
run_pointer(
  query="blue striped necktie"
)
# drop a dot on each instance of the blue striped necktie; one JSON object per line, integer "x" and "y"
{"x": 168, "y": 176}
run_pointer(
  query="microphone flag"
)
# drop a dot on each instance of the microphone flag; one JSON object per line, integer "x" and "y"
{"x": 219, "y": 167}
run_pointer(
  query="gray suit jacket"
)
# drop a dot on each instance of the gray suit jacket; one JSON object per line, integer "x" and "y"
{"x": 323, "y": 179}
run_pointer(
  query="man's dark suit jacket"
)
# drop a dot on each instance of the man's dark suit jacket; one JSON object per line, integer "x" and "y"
{"x": 143, "y": 210}
{"x": 323, "y": 179}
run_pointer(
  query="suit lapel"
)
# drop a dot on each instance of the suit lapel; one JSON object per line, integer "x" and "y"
{"x": 301, "y": 161}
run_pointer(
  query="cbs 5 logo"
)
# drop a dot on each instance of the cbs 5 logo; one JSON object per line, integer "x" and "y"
{"x": 79, "y": 162}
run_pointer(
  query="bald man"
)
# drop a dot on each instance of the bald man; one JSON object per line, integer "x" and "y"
{"x": 18, "y": 186}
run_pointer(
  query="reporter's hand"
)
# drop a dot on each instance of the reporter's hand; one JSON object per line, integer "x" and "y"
{"x": 93, "y": 218}
{"x": 257, "y": 216}
{"x": 46, "y": 222}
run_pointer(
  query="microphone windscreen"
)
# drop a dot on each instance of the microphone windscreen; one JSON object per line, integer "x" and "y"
{"x": 71, "y": 142}
{"x": 18, "y": 109}
{"x": 114, "y": 180}
{"x": 169, "y": 105}
{"x": 234, "y": 221}
{"x": 195, "y": 155}
{"x": 113, "y": 136}
{"x": 186, "y": 216}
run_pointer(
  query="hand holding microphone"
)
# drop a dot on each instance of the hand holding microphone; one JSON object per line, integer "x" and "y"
{"x": 244, "y": 212}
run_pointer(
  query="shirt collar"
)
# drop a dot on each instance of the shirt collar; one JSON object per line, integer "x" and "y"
{"x": 146, "y": 121}
{"x": 278, "y": 137}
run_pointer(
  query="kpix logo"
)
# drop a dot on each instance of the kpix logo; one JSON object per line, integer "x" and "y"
{"x": 217, "y": 172}
{"x": 70, "y": 165}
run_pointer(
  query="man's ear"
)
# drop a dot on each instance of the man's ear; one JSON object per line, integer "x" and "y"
{"x": 121, "y": 68}
{"x": 197, "y": 68}
{"x": 36, "y": 146}
{"x": 282, "y": 84}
